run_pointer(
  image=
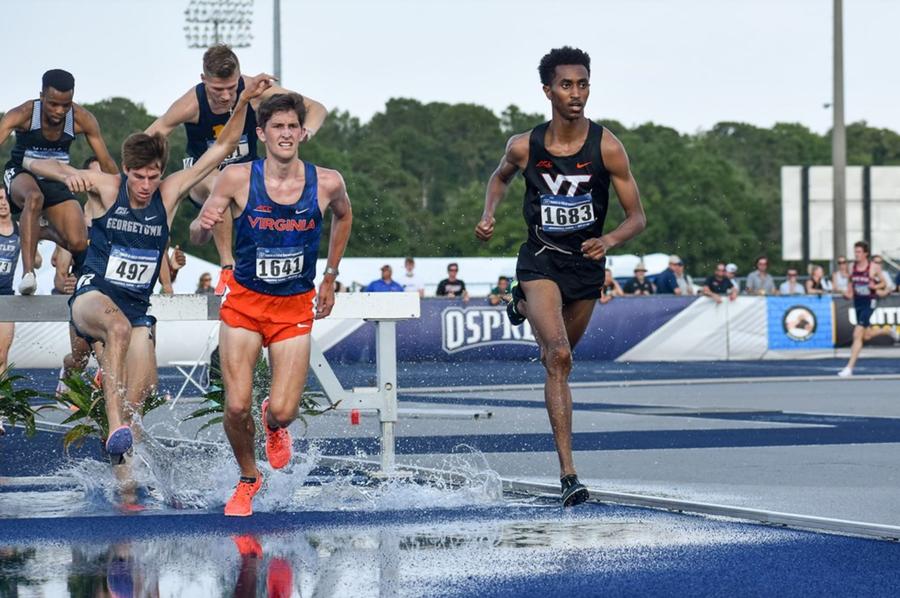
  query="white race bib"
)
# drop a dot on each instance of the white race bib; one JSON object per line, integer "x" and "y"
{"x": 131, "y": 268}
{"x": 279, "y": 264}
{"x": 6, "y": 266}
{"x": 242, "y": 149}
{"x": 561, "y": 214}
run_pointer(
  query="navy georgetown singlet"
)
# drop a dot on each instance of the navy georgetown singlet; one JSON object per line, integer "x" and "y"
{"x": 9, "y": 257}
{"x": 203, "y": 134}
{"x": 126, "y": 248}
{"x": 276, "y": 245}
{"x": 566, "y": 197}
{"x": 33, "y": 144}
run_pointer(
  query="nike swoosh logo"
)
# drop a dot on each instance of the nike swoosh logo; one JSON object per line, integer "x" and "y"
{"x": 301, "y": 211}
{"x": 148, "y": 219}
{"x": 302, "y": 325}
{"x": 581, "y": 164}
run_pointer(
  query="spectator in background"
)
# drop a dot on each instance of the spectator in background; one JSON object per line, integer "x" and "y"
{"x": 890, "y": 287}
{"x": 731, "y": 274}
{"x": 204, "y": 285}
{"x": 610, "y": 288}
{"x": 500, "y": 293}
{"x": 840, "y": 278}
{"x": 817, "y": 284}
{"x": 718, "y": 285}
{"x": 411, "y": 283}
{"x": 667, "y": 282}
{"x": 792, "y": 286}
{"x": 452, "y": 286}
{"x": 639, "y": 285}
{"x": 759, "y": 282}
{"x": 386, "y": 283}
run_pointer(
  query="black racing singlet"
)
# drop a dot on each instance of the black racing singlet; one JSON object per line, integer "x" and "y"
{"x": 202, "y": 134}
{"x": 566, "y": 197}
{"x": 33, "y": 144}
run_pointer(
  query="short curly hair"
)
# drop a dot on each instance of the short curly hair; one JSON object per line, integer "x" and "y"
{"x": 559, "y": 56}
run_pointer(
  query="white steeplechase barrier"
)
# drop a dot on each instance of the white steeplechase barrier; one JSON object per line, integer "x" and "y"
{"x": 384, "y": 310}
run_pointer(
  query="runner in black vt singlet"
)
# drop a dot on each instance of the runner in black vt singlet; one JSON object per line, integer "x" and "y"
{"x": 203, "y": 110}
{"x": 568, "y": 165}
{"x": 44, "y": 129}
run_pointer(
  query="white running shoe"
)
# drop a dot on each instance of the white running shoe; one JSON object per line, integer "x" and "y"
{"x": 845, "y": 373}
{"x": 28, "y": 284}
{"x": 61, "y": 387}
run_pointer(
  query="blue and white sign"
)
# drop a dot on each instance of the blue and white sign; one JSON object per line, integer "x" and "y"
{"x": 799, "y": 322}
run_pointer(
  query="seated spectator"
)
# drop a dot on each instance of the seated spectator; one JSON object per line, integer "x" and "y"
{"x": 840, "y": 277}
{"x": 500, "y": 293}
{"x": 731, "y": 274}
{"x": 411, "y": 283}
{"x": 718, "y": 285}
{"x": 817, "y": 284}
{"x": 792, "y": 286}
{"x": 610, "y": 288}
{"x": 385, "y": 284}
{"x": 759, "y": 282}
{"x": 639, "y": 285}
{"x": 667, "y": 282}
{"x": 204, "y": 285}
{"x": 452, "y": 286}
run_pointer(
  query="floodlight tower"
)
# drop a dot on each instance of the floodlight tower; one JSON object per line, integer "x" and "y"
{"x": 209, "y": 22}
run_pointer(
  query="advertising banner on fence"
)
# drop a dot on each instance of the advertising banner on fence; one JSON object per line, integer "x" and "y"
{"x": 450, "y": 330}
{"x": 886, "y": 314}
{"x": 799, "y": 322}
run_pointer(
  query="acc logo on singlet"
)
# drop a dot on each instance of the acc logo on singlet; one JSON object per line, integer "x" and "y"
{"x": 473, "y": 327}
{"x": 799, "y": 323}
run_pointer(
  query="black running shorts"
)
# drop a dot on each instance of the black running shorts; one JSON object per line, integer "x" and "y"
{"x": 54, "y": 192}
{"x": 576, "y": 276}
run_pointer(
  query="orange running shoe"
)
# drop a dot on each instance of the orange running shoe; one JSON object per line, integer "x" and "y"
{"x": 280, "y": 579}
{"x": 225, "y": 276}
{"x": 241, "y": 502}
{"x": 278, "y": 442}
{"x": 247, "y": 545}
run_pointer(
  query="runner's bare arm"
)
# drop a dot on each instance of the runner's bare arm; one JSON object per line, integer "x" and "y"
{"x": 332, "y": 183}
{"x": 616, "y": 161}
{"x": 183, "y": 110}
{"x": 216, "y": 207}
{"x": 88, "y": 124}
{"x": 100, "y": 186}
{"x": 315, "y": 111}
{"x": 16, "y": 118}
{"x": 514, "y": 159}
{"x": 176, "y": 186}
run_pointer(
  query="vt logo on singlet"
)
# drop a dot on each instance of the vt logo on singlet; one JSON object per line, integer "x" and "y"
{"x": 555, "y": 183}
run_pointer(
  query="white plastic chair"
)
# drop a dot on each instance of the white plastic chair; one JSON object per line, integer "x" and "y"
{"x": 196, "y": 372}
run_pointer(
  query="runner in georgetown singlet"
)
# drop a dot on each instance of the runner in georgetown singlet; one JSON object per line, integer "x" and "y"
{"x": 127, "y": 243}
{"x": 568, "y": 165}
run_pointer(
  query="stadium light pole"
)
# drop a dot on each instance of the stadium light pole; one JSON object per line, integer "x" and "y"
{"x": 209, "y": 22}
{"x": 276, "y": 39}
{"x": 839, "y": 138}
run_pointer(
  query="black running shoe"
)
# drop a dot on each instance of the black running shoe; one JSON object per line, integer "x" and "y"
{"x": 515, "y": 318}
{"x": 573, "y": 491}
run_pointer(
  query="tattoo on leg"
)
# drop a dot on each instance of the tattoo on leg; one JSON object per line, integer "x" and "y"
{"x": 111, "y": 310}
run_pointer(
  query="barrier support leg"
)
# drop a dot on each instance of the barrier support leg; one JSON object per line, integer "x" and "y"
{"x": 386, "y": 358}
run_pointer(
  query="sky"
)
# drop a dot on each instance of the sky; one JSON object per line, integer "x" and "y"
{"x": 687, "y": 64}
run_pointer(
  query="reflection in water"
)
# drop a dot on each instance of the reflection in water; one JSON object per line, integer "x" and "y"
{"x": 386, "y": 560}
